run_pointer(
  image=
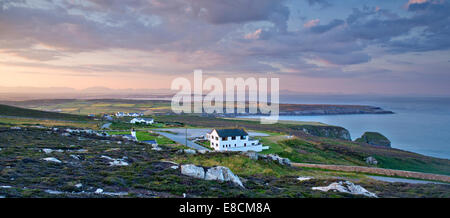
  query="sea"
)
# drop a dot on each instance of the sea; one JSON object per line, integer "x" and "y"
{"x": 419, "y": 124}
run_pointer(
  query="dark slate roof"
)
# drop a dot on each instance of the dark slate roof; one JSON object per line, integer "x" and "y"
{"x": 231, "y": 132}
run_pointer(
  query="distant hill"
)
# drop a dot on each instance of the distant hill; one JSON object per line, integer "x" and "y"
{"x": 6, "y": 110}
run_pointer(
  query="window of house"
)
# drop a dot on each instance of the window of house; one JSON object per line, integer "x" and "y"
{"x": 224, "y": 138}
{"x": 245, "y": 144}
{"x": 242, "y": 137}
{"x": 233, "y": 138}
{"x": 234, "y": 145}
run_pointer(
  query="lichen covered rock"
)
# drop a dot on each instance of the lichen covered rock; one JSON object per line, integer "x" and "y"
{"x": 371, "y": 160}
{"x": 218, "y": 173}
{"x": 193, "y": 171}
{"x": 346, "y": 187}
{"x": 221, "y": 173}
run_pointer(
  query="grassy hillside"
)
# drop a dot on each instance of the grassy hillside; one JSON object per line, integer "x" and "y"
{"x": 95, "y": 106}
{"x": 148, "y": 174}
{"x": 298, "y": 129}
{"x": 6, "y": 110}
{"x": 323, "y": 148}
{"x": 330, "y": 151}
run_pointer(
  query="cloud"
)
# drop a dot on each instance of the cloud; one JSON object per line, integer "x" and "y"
{"x": 228, "y": 36}
{"x": 324, "y": 28}
{"x": 311, "y": 23}
{"x": 415, "y": 2}
{"x": 322, "y": 3}
{"x": 254, "y": 35}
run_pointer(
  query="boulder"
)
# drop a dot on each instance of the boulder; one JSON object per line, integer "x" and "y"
{"x": 252, "y": 155}
{"x": 218, "y": 173}
{"x": 304, "y": 178}
{"x": 189, "y": 151}
{"x": 280, "y": 160}
{"x": 193, "y": 171}
{"x": 221, "y": 173}
{"x": 374, "y": 138}
{"x": 285, "y": 161}
{"x": 346, "y": 187}
{"x": 371, "y": 160}
{"x": 155, "y": 147}
{"x": 214, "y": 173}
{"x": 51, "y": 159}
{"x": 203, "y": 151}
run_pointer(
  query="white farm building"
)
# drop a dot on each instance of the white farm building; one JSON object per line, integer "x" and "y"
{"x": 147, "y": 121}
{"x": 233, "y": 140}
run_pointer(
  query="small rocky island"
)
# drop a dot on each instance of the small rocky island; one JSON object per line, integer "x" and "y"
{"x": 374, "y": 138}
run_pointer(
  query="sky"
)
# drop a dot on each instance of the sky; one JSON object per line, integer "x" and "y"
{"x": 313, "y": 46}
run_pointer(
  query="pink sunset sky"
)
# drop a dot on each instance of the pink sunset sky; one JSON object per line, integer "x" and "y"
{"x": 314, "y": 46}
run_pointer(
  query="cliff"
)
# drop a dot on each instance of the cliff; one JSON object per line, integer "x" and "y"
{"x": 327, "y": 131}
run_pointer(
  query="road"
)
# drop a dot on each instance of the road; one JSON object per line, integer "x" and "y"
{"x": 181, "y": 138}
{"x": 379, "y": 171}
{"x": 410, "y": 181}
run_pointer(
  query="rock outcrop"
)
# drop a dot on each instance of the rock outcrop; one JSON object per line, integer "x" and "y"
{"x": 116, "y": 162}
{"x": 252, "y": 155}
{"x": 371, "y": 160}
{"x": 280, "y": 160}
{"x": 187, "y": 151}
{"x": 374, "y": 138}
{"x": 269, "y": 157}
{"x": 218, "y": 173}
{"x": 346, "y": 187}
{"x": 221, "y": 173}
{"x": 193, "y": 171}
{"x": 52, "y": 159}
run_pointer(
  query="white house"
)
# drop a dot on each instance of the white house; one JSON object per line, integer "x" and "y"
{"x": 233, "y": 140}
{"x": 120, "y": 114}
{"x": 123, "y": 114}
{"x": 147, "y": 121}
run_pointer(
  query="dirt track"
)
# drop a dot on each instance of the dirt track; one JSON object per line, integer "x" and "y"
{"x": 379, "y": 171}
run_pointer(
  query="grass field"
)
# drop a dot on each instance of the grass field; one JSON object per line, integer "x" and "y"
{"x": 6, "y": 110}
{"x": 145, "y": 136}
{"x": 85, "y": 107}
{"x": 18, "y": 121}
